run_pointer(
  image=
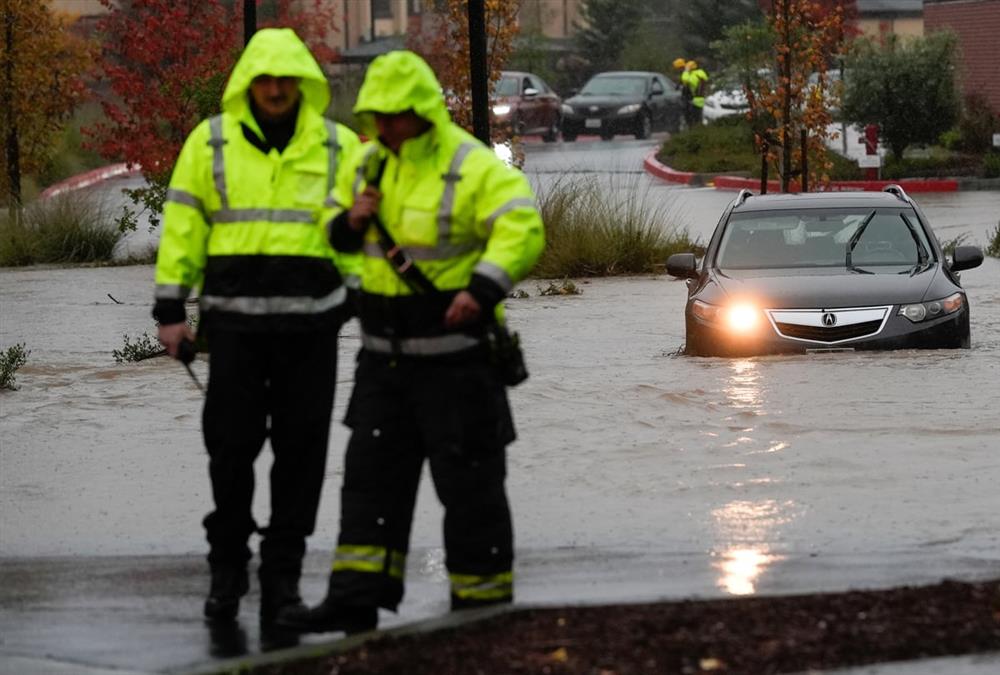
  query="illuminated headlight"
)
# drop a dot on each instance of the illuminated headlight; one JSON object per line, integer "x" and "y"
{"x": 567, "y": 109}
{"x": 742, "y": 318}
{"x": 932, "y": 309}
{"x": 739, "y": 318}
{"x": 501, "y": 109}
{"x": 629, "y": 109}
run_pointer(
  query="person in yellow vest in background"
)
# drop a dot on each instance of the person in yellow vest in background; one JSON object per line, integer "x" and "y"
{"x": 446, "y": 229}
{"x": 696, "y": 80}
{"x": 682, "y": 85}
{"x": 244, "y": 227}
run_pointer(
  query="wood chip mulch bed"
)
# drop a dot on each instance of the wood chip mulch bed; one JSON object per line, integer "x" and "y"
{"x": 784, "y": 634}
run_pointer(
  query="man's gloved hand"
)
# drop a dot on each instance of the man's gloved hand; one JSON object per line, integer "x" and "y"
{"x": 171, "y": 336}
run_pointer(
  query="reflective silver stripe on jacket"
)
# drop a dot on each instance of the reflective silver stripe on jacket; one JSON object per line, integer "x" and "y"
{"x": 259, "y": 306}
{"x": 332, "y": 148}
{"x": 445, "y": 210}
{"x": 171, "y": 292}
{"x": 267, "y": 215}
{"x": 181, "y": 197}
{"x": 218, "y": 161}
{"x": 374, "y": 250}
{"x": 359, "y": 178}
{"x": 495, "y": 273}
{"x": 517, "y": 203}
{"x": 332, "y": 203}
{"x": 420, "y": 346}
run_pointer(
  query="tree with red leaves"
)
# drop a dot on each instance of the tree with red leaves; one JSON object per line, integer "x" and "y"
{"x": 167, "y": 63}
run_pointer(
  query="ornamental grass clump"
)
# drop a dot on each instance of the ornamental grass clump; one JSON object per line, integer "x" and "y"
{"x": 598, "y": 227}
{"x": 69, "y": 228}
{"x": 993, "y": 247}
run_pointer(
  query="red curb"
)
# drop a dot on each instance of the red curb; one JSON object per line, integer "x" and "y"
{"x": 910, "y": 185}
{"x": 87, "y": 179}
{"x": 660, "y": 170}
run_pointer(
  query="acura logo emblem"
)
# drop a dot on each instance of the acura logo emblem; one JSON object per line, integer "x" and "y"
{"x": 829, "y": 319}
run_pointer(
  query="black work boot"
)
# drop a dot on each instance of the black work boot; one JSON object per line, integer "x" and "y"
{"x": 329, "y": 617}
{"x": 229, "y": 584}
{"x": 278, "y": 592}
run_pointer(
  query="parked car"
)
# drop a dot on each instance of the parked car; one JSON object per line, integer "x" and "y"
{"x": 822, "y": 272}
{"x": 527, "y": 105}
{"x": 727, "y": 99}
{"x": 622, "y": 102}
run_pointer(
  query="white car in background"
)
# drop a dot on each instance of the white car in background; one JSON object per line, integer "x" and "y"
{"x": 728, "y": 99}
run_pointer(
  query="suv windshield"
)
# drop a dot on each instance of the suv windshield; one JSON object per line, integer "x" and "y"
{"x": 615, "y": 86}
{"x": 892, "y": 237}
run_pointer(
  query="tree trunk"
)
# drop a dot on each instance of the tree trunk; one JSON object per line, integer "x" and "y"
{"x": 12, "y": 154}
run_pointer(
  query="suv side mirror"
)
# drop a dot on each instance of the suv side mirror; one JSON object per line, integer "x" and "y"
{"x": 530, "y": 92}
{"x": 965, "y": 258}
{"x": 682, "y": 265}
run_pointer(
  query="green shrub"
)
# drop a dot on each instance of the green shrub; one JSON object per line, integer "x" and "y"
{"x": 68, "y": 228}
{"x": 993, "y": 248}
{"x": 977, "y": 124}
{"x": 602, "y": 230}
{"x": 11, "y": 359}
{"x": 948, "y": 247}
{"x": 991, "y": 165}
{"x": 141, "y": 348}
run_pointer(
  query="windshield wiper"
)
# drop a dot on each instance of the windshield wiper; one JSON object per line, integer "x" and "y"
{"x": 855, "y": 238}
{"x": 922, "y": 256}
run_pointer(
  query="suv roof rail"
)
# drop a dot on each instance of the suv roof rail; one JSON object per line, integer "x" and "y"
{"x": 898, "y": 191}
{"x": 742, "y": 196}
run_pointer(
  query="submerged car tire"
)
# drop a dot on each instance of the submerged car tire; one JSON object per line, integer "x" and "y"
{"x": 644, "y": 126}
{"x": 607, "y": 135}
{"x": 569, "y": 136}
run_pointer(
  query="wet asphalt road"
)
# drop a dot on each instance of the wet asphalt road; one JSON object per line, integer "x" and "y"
{"x": 638, "y": 474}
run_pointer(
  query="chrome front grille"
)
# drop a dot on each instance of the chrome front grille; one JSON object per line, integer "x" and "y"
{"x": 824, "y": 334}
{"x": 829, "y": 326}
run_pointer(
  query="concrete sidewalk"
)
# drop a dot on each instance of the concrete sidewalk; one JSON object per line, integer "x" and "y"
{"x": 129, "y": 615}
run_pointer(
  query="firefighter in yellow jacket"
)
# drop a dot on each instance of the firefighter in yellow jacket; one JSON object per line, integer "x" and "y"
{"x": 244, "y": 223}
{"x": 426, "y": 195}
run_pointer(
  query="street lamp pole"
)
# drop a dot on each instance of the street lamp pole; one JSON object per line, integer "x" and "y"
{"x": 249, "y": 20}
{"x": 477, "y": 71}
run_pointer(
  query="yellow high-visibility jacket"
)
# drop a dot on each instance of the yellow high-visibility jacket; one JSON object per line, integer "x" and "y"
{"x": 245, "y": 222}
{"x": 467, "y": 220}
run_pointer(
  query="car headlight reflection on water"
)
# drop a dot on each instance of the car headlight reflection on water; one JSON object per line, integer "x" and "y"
{"x": 739, "y": 318}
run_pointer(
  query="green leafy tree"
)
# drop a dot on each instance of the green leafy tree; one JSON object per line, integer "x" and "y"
{"x": 907, "y": 87}
{"x": 606, "y": 27}
{"x": 703, "y": 22}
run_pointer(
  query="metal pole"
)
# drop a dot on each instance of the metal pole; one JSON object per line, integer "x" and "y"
{"x": 249, "y": 20}
{"x": 763, "y": 167}
{"x": 805, "y": 161}
{"x": 477, "y": 71}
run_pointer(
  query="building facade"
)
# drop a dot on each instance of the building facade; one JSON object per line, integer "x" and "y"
{"x": 977, "y": 25}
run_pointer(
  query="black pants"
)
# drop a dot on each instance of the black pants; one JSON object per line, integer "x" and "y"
{"x": 457, "y": 416}
{"x": 267, "y": 384}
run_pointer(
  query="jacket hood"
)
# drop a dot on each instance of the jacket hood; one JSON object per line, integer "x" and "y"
{"x": 278, "y": 52}
{"x": 396, "y": 82}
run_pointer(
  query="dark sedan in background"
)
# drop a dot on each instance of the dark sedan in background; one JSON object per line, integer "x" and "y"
{"x": 622, "y": 102}
{"x": 527, "y": 105}
{"x": 823, "y": 272}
